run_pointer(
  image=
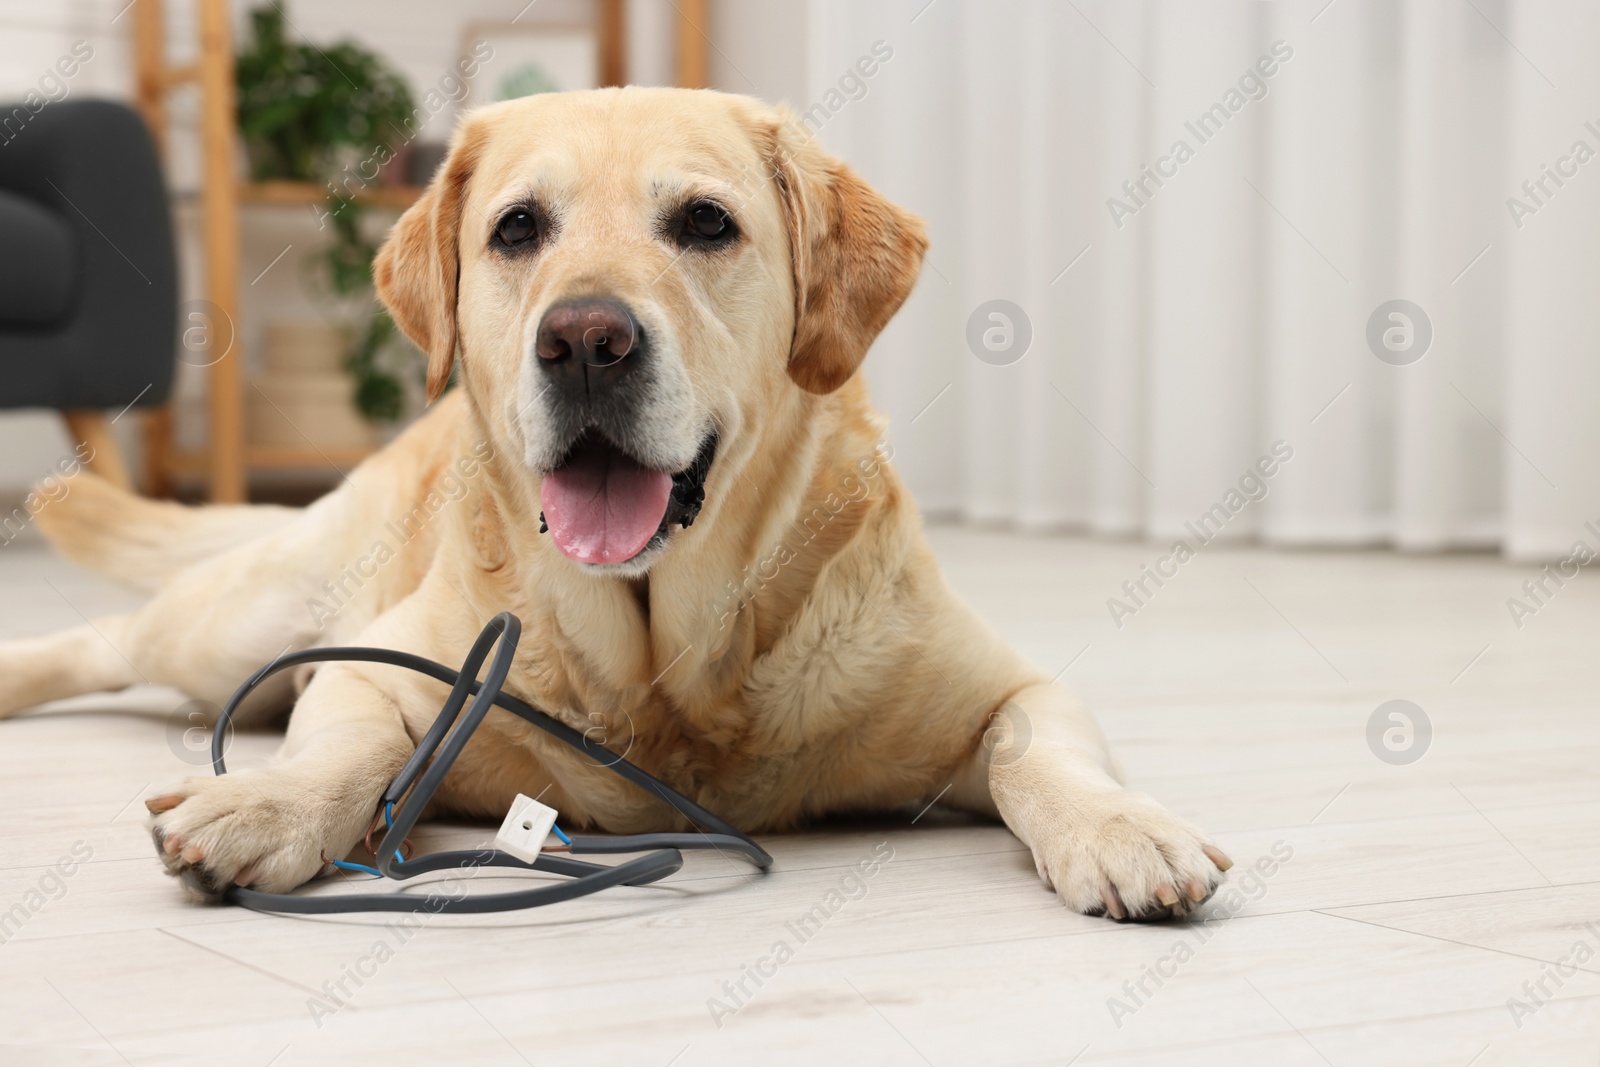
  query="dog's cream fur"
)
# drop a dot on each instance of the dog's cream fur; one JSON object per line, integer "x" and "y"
{"x": 793, "y": 653}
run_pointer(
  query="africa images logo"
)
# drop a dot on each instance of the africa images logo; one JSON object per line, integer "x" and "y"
{"x": 1399, "y": 332}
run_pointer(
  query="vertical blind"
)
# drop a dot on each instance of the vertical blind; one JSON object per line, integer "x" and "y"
{"x": 1364, "y": 233}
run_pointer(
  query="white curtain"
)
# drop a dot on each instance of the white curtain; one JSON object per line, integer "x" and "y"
{"x": 1177, "y": 337}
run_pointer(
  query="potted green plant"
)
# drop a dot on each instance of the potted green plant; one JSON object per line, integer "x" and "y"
{"x": 305, "y": 113}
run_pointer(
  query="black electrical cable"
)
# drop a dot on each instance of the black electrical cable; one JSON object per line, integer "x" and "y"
{"x": 417, "y": 781}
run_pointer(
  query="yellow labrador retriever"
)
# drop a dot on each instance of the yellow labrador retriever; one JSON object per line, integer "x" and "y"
{"x": 662, "y": 458}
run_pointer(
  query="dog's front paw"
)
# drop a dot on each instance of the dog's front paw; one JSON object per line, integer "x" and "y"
{"x": 1122, "y": 854}
{"x": 262, "y": 829}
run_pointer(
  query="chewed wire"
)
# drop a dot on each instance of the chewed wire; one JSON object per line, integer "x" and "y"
{"x": 424, "y": 772}
{"x": 362, "y": 868}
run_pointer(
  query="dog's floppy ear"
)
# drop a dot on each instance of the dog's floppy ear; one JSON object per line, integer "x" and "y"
{"x": 417, "y": 269}
{"x": 855, "y": 257}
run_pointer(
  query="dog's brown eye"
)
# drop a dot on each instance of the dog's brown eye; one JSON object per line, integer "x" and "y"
{"x": 707, "y": 221}
{"x": 517, "y": 227}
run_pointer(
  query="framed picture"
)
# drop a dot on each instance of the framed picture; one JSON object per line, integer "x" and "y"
{"x": 521, "y": 59}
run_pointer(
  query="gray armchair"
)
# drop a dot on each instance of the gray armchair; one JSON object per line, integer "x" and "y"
{"x": 88, "y": 269}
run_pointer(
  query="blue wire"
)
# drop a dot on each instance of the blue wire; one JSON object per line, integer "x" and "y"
{"x": 565, "y": 840}
{"x": 362, "y": 868}
{"x": 346, "y": 865}
{"x": 388, "y": 819}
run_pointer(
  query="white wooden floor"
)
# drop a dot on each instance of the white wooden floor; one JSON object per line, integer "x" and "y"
{"x": 1417, "y": 900}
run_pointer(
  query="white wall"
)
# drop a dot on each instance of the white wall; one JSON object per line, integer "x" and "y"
{"x": 1231, "y": 309}
{"x": 758, "y": 47}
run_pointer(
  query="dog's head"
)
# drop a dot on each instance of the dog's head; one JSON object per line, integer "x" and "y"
{"x": 630, "y": 279}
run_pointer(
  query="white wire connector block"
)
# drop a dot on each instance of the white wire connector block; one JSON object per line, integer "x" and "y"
{"x": 526, "y": 828}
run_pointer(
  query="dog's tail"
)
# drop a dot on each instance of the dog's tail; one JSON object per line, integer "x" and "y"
{"x": 141, "y": 542}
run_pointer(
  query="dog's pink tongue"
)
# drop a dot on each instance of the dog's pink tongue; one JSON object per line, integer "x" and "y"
{"x": 603, "y": 507}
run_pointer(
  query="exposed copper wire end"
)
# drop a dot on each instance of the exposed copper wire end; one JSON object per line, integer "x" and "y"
{"x": 377, "y": 817}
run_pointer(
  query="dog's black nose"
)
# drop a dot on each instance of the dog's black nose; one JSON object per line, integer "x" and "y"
{"x": 586, "y": 345}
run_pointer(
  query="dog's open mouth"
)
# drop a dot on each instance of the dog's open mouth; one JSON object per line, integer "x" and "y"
{"x": 603, "y": 506}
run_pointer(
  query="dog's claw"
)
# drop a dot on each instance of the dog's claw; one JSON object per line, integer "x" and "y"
{"x": 164, "y": 802}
